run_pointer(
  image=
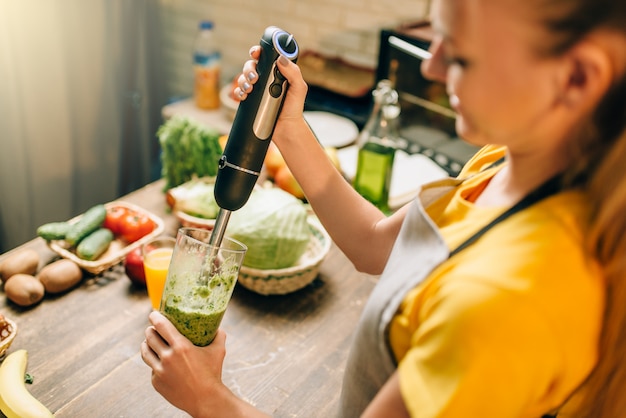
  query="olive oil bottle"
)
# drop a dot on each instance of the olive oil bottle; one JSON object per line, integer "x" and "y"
{"x": 378, "y": 143}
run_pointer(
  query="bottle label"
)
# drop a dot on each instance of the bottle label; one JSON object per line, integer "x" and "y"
{"x": 205, "y": 60}
{"x": 207, "y": 80}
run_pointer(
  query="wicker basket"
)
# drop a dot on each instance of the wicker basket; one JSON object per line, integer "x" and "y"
{"x": 6, "y": 343}
{"x": 287, "y": 280}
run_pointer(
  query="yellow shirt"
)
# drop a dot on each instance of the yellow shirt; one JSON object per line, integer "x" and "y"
{"x": 509, "y": 326}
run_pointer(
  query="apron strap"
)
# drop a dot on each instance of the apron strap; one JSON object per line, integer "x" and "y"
{"x": 549, "y": 188}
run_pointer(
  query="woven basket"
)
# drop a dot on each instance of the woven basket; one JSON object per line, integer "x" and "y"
{"x": 290, "y": 279}
{"x": 6, "y": 343}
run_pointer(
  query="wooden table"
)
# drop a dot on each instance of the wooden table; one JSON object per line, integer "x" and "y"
{"x": 285, "y": 354}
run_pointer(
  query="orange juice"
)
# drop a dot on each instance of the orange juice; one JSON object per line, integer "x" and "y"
{"x": 155, "y": 264}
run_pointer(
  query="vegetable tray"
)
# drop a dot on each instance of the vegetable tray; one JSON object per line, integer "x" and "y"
{"x": 118, "y": 249}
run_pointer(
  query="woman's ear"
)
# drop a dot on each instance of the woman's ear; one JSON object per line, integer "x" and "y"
{"x": 587, "y": 75}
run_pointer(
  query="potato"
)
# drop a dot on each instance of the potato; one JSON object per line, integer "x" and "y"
{"x": 24, "y": 289}
{"x": 23, "y": 261}
{"x": 60, "y": 276}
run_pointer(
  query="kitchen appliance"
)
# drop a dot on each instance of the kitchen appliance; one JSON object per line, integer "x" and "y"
{"x": 252, "y": 129}
{"x": 337, "y": 86}
{"x": 427, "y": 121}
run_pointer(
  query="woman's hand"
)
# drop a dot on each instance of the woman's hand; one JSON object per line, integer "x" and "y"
{"x": 292, "y": 111}
{"x": 189, "y": 377}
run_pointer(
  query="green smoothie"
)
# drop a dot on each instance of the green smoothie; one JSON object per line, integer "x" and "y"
{"x": 195, "y": 306}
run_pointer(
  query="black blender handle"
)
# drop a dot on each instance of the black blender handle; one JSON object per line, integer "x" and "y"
{"x": 253, "y": 126}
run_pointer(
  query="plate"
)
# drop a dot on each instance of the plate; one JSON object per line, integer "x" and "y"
{"x": 118, "y": 249}
{"x": 332, "y": 130}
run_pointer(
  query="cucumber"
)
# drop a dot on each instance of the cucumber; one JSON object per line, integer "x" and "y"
{"x": 53, "y": 230}
{"x": 93, "y": 245}
{"x": 88, "y": 223}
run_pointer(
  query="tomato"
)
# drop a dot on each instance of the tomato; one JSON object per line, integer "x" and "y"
{"x": 135, "y": 226}
{"x": 114, "y": 218}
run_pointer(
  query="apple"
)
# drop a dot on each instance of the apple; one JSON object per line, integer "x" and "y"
{"x": 133, "y": 266}
{"x": 286, "y": 181}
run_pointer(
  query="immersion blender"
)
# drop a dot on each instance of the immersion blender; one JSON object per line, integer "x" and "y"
{"x": 252, "y": 129}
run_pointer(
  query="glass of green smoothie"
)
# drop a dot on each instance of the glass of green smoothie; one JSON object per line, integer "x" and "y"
{"x": 200, "y": 282}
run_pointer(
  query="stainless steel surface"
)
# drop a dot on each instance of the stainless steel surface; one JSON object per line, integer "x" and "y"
{"x": 221, "y": 222}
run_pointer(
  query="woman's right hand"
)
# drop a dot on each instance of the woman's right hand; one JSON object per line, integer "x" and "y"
{"x": 293, "y": 106}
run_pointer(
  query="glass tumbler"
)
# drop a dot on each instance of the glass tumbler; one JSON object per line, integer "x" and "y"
{"x": 200, "y": 282}
{"x": 156, "y": 260}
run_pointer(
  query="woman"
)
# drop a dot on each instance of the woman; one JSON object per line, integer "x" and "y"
{"x": 515, "y": 305}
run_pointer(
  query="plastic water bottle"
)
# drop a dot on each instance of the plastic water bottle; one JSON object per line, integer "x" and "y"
{"x": 206, "y": 65}
{"x": 378, "y": 143}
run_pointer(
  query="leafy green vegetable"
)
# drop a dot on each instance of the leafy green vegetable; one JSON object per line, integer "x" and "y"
{"x": 188, "y": 149}
{"x": 273, "y": 224}
{"x": 196, "y": 198}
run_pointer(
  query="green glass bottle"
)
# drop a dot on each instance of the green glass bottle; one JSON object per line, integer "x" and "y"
{"x": 378, "y": 143}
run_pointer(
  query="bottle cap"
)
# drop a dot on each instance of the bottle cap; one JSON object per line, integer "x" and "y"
{"x": 206, "y": 24}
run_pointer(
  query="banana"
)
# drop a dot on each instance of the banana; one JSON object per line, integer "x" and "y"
{"x": 15, "y": 400}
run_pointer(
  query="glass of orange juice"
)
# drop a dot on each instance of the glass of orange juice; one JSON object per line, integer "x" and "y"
{"x": 157, "y": 254}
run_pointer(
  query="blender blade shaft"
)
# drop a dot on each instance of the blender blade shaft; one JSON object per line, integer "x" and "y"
{"x": 221, "y": 222}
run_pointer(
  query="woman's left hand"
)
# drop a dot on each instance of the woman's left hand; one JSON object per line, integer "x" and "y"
{"x": 189, "y": 377}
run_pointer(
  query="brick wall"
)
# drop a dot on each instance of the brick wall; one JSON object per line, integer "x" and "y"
{"x": 344, "y": 28}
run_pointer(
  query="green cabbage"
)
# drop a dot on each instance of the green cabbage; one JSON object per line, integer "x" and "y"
{"x": 273, "y": 224}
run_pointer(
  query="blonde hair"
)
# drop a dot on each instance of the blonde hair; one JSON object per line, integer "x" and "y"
{"x": 600, "y": 161}
{"x": 604, "y": 389}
